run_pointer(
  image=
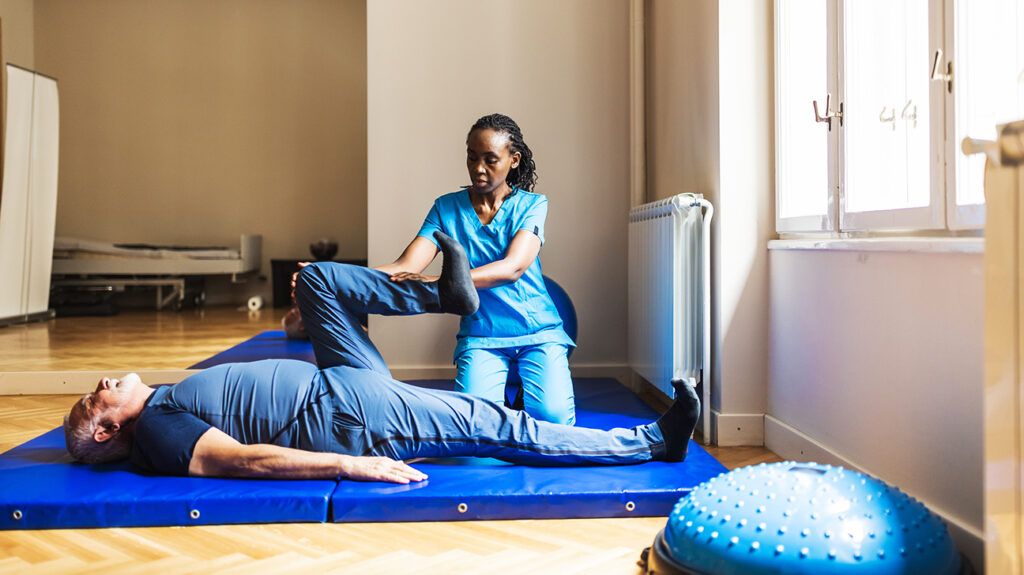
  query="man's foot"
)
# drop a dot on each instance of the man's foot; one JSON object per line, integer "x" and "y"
{"x": 678, "y": 423}
{"x": 455, "y": 288}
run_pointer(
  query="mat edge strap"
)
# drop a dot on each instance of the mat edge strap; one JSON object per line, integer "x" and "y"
{"x": 488, "y": 508}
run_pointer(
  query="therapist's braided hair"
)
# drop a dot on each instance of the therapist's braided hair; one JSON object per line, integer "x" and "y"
{"x": 523, "y": 176}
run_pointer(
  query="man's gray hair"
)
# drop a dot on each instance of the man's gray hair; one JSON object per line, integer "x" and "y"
{"x": 78, "y": 437}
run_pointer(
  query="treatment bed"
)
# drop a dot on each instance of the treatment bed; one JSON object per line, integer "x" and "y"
{"x": 90, "y": 264}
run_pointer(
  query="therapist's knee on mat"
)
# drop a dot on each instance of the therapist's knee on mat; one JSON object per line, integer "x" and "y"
{"x": 563, "y": 413}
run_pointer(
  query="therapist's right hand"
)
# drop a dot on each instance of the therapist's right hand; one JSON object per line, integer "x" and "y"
{"x": 295, "y": 277}
{"x": 409, "y": 276}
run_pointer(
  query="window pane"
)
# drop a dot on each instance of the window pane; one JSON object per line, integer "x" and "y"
{"x": 988, "y": 79}
{"x": 802, "y": 77}
{"x": 885, "y": 82}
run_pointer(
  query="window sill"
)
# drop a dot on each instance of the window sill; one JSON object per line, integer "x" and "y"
{"x": 899, "y": 245}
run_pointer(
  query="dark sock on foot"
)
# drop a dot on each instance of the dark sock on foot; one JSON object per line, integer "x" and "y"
{"x": 455, "y": 288}
{"x": 678, "y": 423}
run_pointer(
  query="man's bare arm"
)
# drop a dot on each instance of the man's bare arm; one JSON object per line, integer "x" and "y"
{"x": 219, "y": 455}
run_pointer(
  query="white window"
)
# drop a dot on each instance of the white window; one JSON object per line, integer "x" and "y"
{"x": 867, "y": 129}
{"x": 802, "y": 158}
{"x": 987, "y": 44}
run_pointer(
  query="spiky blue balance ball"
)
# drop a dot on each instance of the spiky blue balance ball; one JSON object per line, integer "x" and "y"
{"x": 801, "y": 518}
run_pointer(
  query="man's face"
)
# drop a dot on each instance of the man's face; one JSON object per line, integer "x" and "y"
{"x": 110, "y": 395}
{"x": 489, "y": 159}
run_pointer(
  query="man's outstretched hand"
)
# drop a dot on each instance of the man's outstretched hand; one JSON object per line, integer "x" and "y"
{"x": 379, "y": 469}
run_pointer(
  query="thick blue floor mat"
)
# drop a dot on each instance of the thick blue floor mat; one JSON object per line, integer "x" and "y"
{"x": 267, "y": 345}
{"x": 41, "y": 488}
{"x": 465, "y": 488}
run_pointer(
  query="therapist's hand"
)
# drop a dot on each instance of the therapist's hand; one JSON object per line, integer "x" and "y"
{"x": 409, "y": 276}
{"x": 295, "y": 277}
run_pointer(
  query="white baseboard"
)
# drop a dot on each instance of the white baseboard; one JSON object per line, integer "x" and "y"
{"x": 410, "y": 372}
{"x": 737, "y": 429}
{"x": 790, "y": 443}
{"x": 77, "y": 382}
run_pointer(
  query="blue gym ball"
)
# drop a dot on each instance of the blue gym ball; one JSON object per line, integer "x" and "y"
{"x": 801, "y": 518}
{"x": 567, "y": 313}
{"x": 564, "y": 307}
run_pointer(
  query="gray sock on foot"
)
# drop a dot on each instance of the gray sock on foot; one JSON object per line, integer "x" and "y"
{"x": 456, "y": 292}
{"x": 678, "y": 423}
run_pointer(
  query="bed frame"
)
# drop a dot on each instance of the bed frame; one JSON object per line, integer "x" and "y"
{"x": 118, "y": 272}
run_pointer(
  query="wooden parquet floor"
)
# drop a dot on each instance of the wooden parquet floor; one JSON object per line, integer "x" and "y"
{"x": 169, "y": 340}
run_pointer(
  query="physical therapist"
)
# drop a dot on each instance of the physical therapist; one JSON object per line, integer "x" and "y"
{"x": 499, "y": 221}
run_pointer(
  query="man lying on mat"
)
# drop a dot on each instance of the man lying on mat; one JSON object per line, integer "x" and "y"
{"x": 290, "y": 419}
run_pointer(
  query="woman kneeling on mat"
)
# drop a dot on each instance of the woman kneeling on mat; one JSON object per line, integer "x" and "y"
{"x": 499, "y": 221}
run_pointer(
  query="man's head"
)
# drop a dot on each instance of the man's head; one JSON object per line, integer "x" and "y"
{"x": 99, "y": 426}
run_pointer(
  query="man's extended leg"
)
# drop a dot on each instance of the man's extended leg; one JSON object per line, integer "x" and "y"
{"x": 379, "y": 416}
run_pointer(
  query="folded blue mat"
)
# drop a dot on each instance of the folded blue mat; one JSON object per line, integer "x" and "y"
{"x": 41, "y": 488}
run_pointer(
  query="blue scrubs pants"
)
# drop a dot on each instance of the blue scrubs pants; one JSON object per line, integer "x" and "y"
{"x": 543, "y": 369}
{"x": 375, "y": 415}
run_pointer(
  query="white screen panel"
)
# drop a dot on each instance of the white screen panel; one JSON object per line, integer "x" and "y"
{"x": 42, "y": 215}
{"x": 14, "y": 198}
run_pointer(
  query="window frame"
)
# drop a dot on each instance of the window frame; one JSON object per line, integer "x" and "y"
{"x": 967, "y": 216}
{"x": 827, "y": 222}
{"x": 942, "y": 213}
{"x": 931, "y": 216}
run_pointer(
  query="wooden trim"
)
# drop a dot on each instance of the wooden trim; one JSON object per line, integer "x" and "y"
{"x": 77, "y": 382}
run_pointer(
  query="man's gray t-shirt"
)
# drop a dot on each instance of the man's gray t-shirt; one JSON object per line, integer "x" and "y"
{"x": 280, "y": 402}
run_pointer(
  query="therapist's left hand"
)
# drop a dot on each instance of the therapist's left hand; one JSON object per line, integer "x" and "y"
{"x": 409, "y": 276}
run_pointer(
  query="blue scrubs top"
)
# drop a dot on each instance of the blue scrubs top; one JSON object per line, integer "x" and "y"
{"x": 511, "y": 315}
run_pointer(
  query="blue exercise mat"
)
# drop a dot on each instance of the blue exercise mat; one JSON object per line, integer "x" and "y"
{"x": 267, "y": 345}
{"x": 467, "y": 488}
{"x": 41, "y": 488}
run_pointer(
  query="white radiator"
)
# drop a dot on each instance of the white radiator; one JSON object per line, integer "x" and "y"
{"x": 670, "y": 293}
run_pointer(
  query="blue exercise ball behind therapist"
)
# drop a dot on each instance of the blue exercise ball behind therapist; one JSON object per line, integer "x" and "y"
{"x": 566, "y": 311}
{"x": 802, "y": 518}
{"x": 564, "y": 307}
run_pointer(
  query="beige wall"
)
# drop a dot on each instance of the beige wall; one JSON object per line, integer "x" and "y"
{"x": 561, "y": 70}
{"x": 877, "y": 358}
{"x": 682, "y": 98}
{"x": 709, "y": 123}
{"x": 17, "y": 30}
{"x": 187, "y": 121}
{"x": 16, "y": 47}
